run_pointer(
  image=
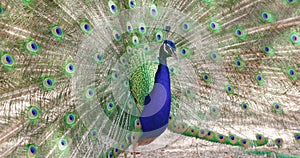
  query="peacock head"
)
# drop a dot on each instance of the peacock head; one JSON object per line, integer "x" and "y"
{"x": 168, "y": 49}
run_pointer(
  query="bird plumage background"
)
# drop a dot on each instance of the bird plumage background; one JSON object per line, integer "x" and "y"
{"x": 74, "y": 75}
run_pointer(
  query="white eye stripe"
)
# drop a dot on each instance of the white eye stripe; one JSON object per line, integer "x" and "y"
{"x": 165, "y": 48}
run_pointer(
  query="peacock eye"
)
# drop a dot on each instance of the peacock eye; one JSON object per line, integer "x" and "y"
{"x": 32, "y": 151}
{"x": 138, "y": 124}
{"x": 277, "y": 108}
{"x": 153, "y": 11}
{"x": 132, "y": 4}
{"x": 89, "y": 94}
{"x": 33, "y": 113}
{"x": 57, "y": 32}
{"x": 260, "y": 78}
{"x": 110, "y": 107}
{"x": 185, "y": 52}
{"x": 186, "y": 26}
{"x": 229, "y": 89}
{"x": 240, "y": 64}
{"x": 126, "y": 84}
{"x": 62, "y": 144}
{"x": 189, "y": 92}
{"x": 70, "y": 68}
{"x": 213, "y": 109}
{"x": 240, "y": 33}
{"x": 86, "y": 27}
{"x": 244, "y": 141}
{"x": 113, "y": 7}
{"x": 1, "y": 11}
{"x": 142, "y": 28}
{"x": 202, "y": 131}
{"x": 295, "y": 38}
{"x": 159, "y": 36}
{"x": 130, "y": 103}
{"x": 208, "y": 133}
{"x": 129, "y": 49}
{"x": 48, "y": 83}
{"x": 206, "y": 77}
{"x": 93, "y": 135}
{"x": 267, "y": 49}
{"x": 214, "y": 26}
{"x": 146, "y": 48}
{"x": 215, "y": 56}
{"x": 232, "y": 137}
{"x": 116, "y": 35}
{"x": 297, "y": 137}
{"x": 129, "y": 27}
{"x": 221, "y": 138}
{"x": 7, "y": 61}
{"x": 70, "y": 119}
{"x": 292, "y": 2}
{"x": 245, "y": 106}
{"x": 115, "y": 76}
{"x": 267, "y": 16}
{"x": 292, "y": 73}
{"x": 98, "y": 58}
{"x": 279, "y": 142}
{"x": 32, "y": 47}
{"x": 135, "y": 40}
{"x": 259, "y": 137}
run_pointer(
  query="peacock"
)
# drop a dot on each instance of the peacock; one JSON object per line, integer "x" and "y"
{"x": 150, "y": 78}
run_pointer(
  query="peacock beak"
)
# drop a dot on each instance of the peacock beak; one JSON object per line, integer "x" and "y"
{"x": 174, "y": 54}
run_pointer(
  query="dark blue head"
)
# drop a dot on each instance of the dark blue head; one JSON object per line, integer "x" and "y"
{"x": 170, "y": 43}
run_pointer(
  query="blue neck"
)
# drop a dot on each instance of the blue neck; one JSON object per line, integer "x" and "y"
{"x": 154, "y": 118}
